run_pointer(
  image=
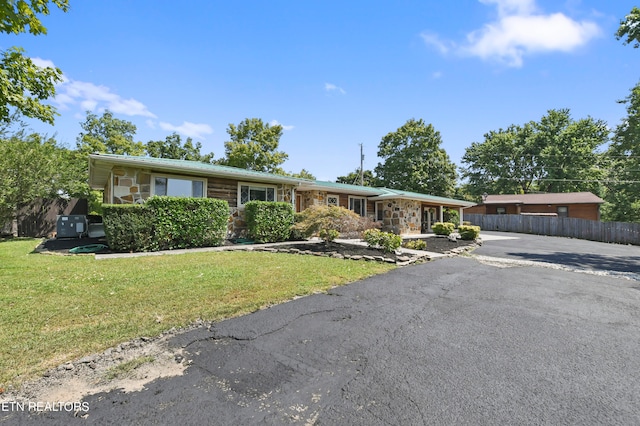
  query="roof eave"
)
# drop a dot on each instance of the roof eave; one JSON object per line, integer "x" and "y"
{"x": 96, "y": 160}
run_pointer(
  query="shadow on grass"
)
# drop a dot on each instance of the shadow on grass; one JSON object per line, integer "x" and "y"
{"x": 586, "y": 261}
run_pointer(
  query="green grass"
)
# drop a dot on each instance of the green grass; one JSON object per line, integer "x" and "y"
{"x": 55, "y": 309}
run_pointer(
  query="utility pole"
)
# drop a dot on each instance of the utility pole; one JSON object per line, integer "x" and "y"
{"x": 361, "y": 167}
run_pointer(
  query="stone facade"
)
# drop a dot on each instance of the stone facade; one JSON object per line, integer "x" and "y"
{"x": 402, "y": 216}
{"x": 312, "y": 198}
{"x": 130, "y": 186}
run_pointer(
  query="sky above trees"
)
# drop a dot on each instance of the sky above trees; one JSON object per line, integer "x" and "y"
{"x": 333, "y": 74}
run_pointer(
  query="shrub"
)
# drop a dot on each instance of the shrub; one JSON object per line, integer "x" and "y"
{"x": 328, "y": 235}
{"x": 166, "y": 223}
{"x": 451, "y": 216}
{"x": 443, "y": 228}
{"x": 269, "y": 222}
{"x": 372, "y": 237}
{"x": 128, "y": 228}
{"x": 469, "y": 232}
{"x": 316, "y": 218}
{"x": 416, "y": 244}
{"x": 185, "y": 222}
{"x": 386, "y": 241}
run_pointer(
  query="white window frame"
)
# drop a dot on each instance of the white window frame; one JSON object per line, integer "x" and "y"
{"x": 336, "y": 196}
{"x": 255, "y": 185}
{"x": 363, "y": 200}
{"x": 379, "y": 210}
{"x": 178, "y": 177}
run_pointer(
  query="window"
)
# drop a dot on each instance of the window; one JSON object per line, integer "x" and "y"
{"x": 255, "y": 192}
{"x": 333, "y": 200}
{"x": 178, "y": 187}
{"x": 501, "y": 210}
{"x": 380, "y": 211}
{"x": 563, "y": 211}
{"x": 358, "y": 205}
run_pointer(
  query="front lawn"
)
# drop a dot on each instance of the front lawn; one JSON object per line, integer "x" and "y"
{"x": 55, "y": 309}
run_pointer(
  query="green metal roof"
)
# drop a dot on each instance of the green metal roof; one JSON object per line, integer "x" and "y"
{"x": 100, "y": 166}
{"x": 388, "y": 193}
{"x": 316, "y": 185}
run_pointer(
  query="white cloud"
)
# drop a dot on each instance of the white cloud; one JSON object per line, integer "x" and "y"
{"x": 443, "y": 46}
{"x": 92, "y": 97}
{"x": 436, "y": 75}
{"x": 329, "y": 87}
{"x": 42, "y": 63}
{"x": 519, "y": 31}
{"x": 188, "y": 129}
{"x": 276, "y": 123}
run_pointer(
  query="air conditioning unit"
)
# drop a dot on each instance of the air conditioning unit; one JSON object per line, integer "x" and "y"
{"x": 73, "y": 226}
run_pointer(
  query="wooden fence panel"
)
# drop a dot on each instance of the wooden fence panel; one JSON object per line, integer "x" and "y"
{"x": 38, "y": 219}
{"x": 608, "y": 232}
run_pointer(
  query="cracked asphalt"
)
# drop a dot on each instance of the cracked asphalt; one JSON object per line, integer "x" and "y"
{"x": 453, "y": 341}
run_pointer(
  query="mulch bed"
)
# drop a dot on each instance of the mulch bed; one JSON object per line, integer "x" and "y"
{"x": 434, "y": 245}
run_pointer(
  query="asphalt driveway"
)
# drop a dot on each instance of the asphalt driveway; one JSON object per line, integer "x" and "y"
{"x": 453, "y": 341}
{"x": 574, "y": 253}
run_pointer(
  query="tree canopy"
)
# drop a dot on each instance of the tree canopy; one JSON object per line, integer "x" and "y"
{"x": 414, "y": 161}
{"x": 172, "y": 147}
{"x": 556, "y": 154}
{"x": 107, "y": 134}
{"x": 304, "y": 174}
{"x": 254, "y": 146}
{"x": 629, "y": 29}
{"x": 623, "y": 187}
{"x": 24, "y": 85}
{"x": 353, "y": 178}
{"x": 34, "y": 166}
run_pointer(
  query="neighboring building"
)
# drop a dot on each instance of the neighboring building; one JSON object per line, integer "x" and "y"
{"x": 582, "y": 205}
{"x": 128, "y": 180}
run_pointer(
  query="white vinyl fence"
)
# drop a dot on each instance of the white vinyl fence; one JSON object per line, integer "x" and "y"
{"x": 607, "y": 232}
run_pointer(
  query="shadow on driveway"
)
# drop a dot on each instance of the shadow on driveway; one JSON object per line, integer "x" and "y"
{"x": 585, "y": 261}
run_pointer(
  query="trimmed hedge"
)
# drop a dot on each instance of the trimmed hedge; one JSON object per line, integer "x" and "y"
{"x": 443, "y": 228}
{"x": 269, "y": 222}
{"x": 128, "y": 227}
{"x": 186, "y": 222}
{"x": 469, "y": 232}
{"x": 165, "y": 223}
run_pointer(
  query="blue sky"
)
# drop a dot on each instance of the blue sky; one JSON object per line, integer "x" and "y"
{"x": 335, "y": 74}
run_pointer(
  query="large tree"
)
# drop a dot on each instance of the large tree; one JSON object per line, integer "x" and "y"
{"x": 353, "y": 178}
{"x": 629, "y": 29}
{"x": 556, "y": 154}
{"x": 254, "y": 146}
{"x": 172, "y": 147}
{"x": 107, "y": 134}
{"x": 24, "y": 85}
{"x": 413, "y": 160}
{"x": 623, "y": 187}
{"x": 34, "y": 166}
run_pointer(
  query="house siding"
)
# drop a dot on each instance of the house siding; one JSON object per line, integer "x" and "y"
{"x": 131, "y": 185}
{"x": 578, "y": 211}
